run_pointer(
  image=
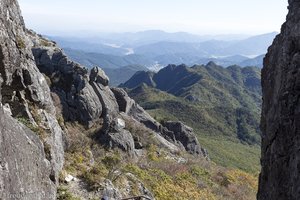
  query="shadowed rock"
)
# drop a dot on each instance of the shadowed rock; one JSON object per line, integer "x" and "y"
{"x": 98, "y": 75}
{"x": 175, "y": 132}
{"x": 70, "y": 82}
{"x": 186, "y": 137}
{"x": 280, "y": 122}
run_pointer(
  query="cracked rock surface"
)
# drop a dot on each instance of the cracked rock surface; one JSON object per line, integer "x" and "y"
{"x": 280, "y": 123}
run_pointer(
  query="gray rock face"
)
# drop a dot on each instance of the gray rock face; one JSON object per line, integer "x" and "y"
{"x": 22, "y": 80}
{"x": 70, "y": 82}
{"x": 99, "y": 76}
{"x": 109, "y": 191}
{"x": 175, "y": 132}
{"x": 124, "y": 101}
{"x": 280, "y": 177}
{"x": 110, "y": 108}
{"x": 25, "y": 91}
{"x": 131, "y": 108}
{"x": 83, "y": 96}
{"x": 186, "y": 137}
{"x": 121, "y": 139}
{"x": 24, "y": 170}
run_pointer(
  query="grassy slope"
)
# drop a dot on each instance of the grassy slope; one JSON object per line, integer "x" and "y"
{"x": 222, "y": 149}
{"x": 158, "y": 170}
{"x": 217, "y": 119}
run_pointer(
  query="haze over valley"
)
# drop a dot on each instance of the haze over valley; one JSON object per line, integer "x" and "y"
{"x": 153, "y": 50}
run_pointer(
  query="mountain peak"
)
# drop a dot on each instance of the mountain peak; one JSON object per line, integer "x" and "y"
{"x": 140, "y": 77}
{"x": 211, "y": 64}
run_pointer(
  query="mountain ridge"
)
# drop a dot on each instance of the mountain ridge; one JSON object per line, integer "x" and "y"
{"x": 219, "y": 103}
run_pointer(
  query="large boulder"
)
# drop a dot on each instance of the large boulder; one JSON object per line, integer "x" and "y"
{"x": 186, "y": 137}
{"x": 70, "y": 82}
{"x": 131, "y": 108}
{"x": 81, "y": 95}
{"x": 110, "y": 107}
{"x": 25, "y": 173}
{"x": 280, "y": 122}
{"x": 175, "y": 132}
{"x": 121, "y": 139}
{"x": 98, "y": 75}
{"x": 124, "y": 101}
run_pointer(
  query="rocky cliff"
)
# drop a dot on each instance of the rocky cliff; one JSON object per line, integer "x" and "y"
{"x": 29, "y": 164}
{"x": 280, "y": 177}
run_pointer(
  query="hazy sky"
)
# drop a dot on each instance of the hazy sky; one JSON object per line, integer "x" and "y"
{"x": 196, "y": 16}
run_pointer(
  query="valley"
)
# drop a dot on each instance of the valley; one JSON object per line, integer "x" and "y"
{"x": 221, "y": 104}
{"x": 157, "y": 49}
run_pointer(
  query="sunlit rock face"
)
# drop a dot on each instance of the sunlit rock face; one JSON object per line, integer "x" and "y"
{"x": 25, "y": 171}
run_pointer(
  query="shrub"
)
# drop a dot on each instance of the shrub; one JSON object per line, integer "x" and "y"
{"x": 165, "y": 187}
{"x": 95, "y": 176}
{"x": 28, "y": 124}
{"x": 112, "y": 164}
{"x": 20, "y": 42}
{"x": 64, "y": 194}
{"x": 45, "y": 43}
{"x": 152, "y": 153}
{"x": 242, "y": 178}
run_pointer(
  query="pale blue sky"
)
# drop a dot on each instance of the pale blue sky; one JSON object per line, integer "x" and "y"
{"x": 196, "y": 16}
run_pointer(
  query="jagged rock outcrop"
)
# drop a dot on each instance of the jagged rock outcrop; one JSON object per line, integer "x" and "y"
{"x": 109, "y": 103}
{"x": 131, "y": 108}
{"x": 99, "y": 76}
{"x": 70, "y": 82}
{"x": 26, "y": 94}
{"x": 280, "y": 177}
{"x": 186, "y": 137}
{"x": 175, "y": 132}
{"x": 82, "y": 95}
{"x": 124, "y": 101}
{"x": 24, "y": 169}
{"x": 87, "y": 98}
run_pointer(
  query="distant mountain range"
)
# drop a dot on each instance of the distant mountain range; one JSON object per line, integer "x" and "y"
{"x": 221, "y": 103}
{"x": 256, "y": 45}
{"x": 156, "y": 49}
{"x": 108, "y": 61}
{"x": 135, "y": 39}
